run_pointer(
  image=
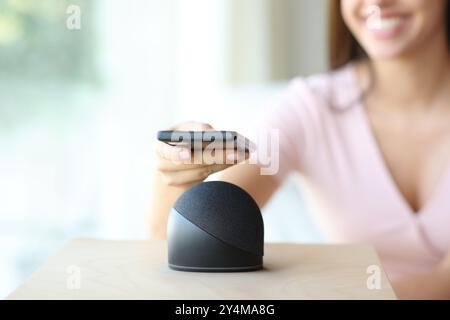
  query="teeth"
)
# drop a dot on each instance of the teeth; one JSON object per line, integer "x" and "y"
{"x": 383, "y": 24}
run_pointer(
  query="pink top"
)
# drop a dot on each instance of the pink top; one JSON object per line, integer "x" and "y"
{"x": 326, "y": 136}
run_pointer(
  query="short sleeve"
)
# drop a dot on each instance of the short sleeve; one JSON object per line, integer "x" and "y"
{"x": 287, "y": 131}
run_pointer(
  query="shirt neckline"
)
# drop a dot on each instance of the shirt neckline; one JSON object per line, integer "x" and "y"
{"x": 380, "y": 161}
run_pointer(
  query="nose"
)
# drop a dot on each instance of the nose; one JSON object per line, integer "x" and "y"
{"x": 373, "y": 7}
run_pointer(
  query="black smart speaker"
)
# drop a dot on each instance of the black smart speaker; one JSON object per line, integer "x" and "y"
{"x": 215, "y": 227}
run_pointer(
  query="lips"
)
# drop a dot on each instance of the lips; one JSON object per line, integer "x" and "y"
{"x": 384, "y": 24}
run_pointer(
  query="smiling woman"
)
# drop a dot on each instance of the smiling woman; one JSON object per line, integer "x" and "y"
{"x": 370, "y": 140}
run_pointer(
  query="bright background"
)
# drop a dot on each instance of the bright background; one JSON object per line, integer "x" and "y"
{"x": 79, "y": 109}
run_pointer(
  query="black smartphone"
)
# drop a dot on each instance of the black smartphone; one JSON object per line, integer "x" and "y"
{"x": 201, "y": 139}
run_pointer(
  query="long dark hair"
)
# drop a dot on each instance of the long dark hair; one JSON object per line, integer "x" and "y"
{"x": 343, "y": 47}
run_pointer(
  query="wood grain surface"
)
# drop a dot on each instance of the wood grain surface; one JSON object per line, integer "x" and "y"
{"x": 138, "y": 270}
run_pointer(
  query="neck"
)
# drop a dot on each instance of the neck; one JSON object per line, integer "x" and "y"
{"x": 413, "y": 79}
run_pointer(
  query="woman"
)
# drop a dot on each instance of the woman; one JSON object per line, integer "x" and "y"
{"x": 372, "y": 141}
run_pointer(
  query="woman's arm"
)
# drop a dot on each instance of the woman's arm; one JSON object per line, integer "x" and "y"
{"x": 249, "y": 178}
{"x": 433, "y": 285}
{"x": 162, "y": 198}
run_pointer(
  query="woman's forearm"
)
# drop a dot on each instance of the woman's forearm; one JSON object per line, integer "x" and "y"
{"x": 162, "y": 199}
{"x": 433, "y": 285}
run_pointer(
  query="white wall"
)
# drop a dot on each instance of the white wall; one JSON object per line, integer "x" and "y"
{"x": 307, "y": 33}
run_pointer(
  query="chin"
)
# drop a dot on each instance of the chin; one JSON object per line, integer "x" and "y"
{"x": 387, "y": 52}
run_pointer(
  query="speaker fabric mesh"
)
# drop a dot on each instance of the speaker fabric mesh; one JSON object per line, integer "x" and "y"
{"x": 225, "y": 211}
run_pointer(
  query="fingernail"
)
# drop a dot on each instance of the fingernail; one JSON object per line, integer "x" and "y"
{"x": 184, "y": 154}
{"x": 231, "y": 156}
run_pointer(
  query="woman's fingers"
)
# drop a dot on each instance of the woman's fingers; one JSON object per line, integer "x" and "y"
{"x": 235, "y": 156}
{"x": 200, "y": 159}
{"x": 172, "y": 153}
{"x": 165, "y": 165}
{"x": 180, "y": 165}
{"x": 177, "y": 178}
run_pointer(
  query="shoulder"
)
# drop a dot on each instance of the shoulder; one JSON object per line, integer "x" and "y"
{"x": 305, "y": 115}
{"x": 331, "y": 90}
{"x": 313, "y": 101}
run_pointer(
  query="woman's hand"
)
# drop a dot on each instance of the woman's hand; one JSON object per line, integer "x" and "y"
{"x": 179, "y": 167}
{"x": 178, "y": 171}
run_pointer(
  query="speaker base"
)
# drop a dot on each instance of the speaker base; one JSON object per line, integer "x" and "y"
{"x": 192, "y": 249}
{"x": 221, "y": 269}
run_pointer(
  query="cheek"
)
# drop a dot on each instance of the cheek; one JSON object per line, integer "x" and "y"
{"x": 429, "y": 19}
{"x": 433, "y": 13}
{"x": 350, "y": 13}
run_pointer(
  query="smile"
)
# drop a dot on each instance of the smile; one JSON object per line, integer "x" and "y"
{"x": 384, "y": 24}
{"x": 385, "y": 27}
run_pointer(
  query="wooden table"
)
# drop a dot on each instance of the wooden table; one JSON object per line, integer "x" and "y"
{"x": 106, "y": 269}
